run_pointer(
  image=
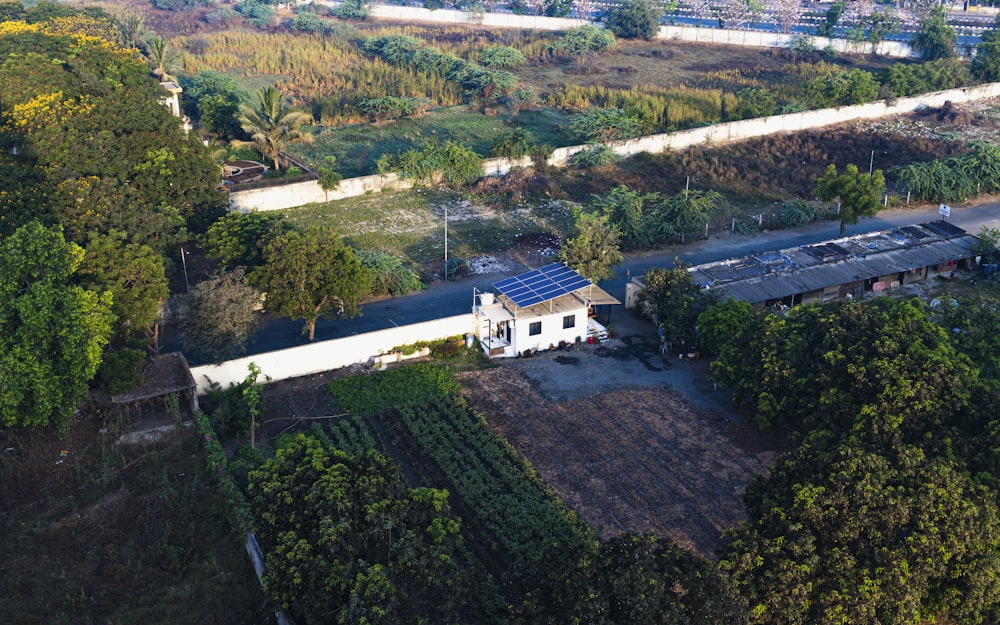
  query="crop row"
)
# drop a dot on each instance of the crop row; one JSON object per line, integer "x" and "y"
{"x": 349, "y": 435}
{"x": 525, "y": 516}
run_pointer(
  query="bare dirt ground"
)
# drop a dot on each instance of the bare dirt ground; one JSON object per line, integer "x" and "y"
{"x": 639, "y": 459}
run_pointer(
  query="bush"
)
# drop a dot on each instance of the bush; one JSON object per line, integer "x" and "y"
{"x": 802, "y": 45}
{"x": 584, "y": 40}
{"x": 368, "y": 395}
{"x": 595, "y": 156}
{"x": 351, "y": 10}
{"x": 612, "y": 124}
{"x": 501, "y": 56}
{"x": 906, "y": 80}
{"x": 854, "y": 86}
{"x": 634, "y": 19}
{"x": 798, "y": 212}
{"x": 121, "y": 371}
{"x": 512, "y": 144}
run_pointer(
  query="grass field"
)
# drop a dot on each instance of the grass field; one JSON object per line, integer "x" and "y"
{"x": 411, "y": 223}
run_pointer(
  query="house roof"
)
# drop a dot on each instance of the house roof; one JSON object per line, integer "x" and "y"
{"x": 541, "y": 285}
{"x": 776, "y": 275}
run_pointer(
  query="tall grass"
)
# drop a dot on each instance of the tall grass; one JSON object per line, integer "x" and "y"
{"x": 665, "y": 109}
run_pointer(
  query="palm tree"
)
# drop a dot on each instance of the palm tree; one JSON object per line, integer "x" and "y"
{"x": 160, "y": 56}
{"x": 272, "y": 126}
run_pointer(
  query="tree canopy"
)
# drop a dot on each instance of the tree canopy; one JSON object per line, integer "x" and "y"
{"x": 674, "y": 301}
{"x": 634, "y": 19}
{"x": 347, "y": 542}
{"x": 595, "y": 250}
{"x": 310, "y": 274}
{"x": 860, "y": 195}
{"x": 52, "y": 332}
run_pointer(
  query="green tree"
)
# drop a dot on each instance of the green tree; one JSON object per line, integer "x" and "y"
{"x": 134, "y": 275}
{"x": 624, "y": 210}
{"x": 271, "y": 125}
{"x": 860, "y": 195}
{"x": 311, "y": 274}
{"x": 588, "y": 39}
{"x": 880, "y": 25}
{"x": 595, "y": 250}
{"x": 239, "y": 239}
{"x": 683, "y": 215}
{"x": 935, "y": 39}
{"x": 673, "y": 301}
{"x": 634, "y": 19}
{"x": 986, "y": 63}
{"x": 329, "y": 180}
{"x": 347, "y": 543}
{"x": 215, "y": 98}
{"x": 223, "y": 313}
{"x": 853, "y": 536}
{"x": 841, "y": 88}
{"x": 52, "y": 332}
{"x": 160, "y": 56}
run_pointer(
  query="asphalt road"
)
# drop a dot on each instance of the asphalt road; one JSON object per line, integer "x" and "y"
{"x": 444, "y": 299}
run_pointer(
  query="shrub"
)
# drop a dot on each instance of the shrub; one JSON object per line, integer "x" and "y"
{"x": 514, "y": 143}
{"x": 611, "y": 124}
{"x": 854, "y": 86}
{"x": 501, "y": 56}
{"x": 595, "y": 156}
{"x": 121, "y": 371}
{"x": 798, "y": 212}
{"x": 802, "y": 45}
{"x": 584, "y": 40}
{"x": 367, "y": 395}
{"x": 351, "y": 10}
{"x": 634, "y": 19}
{"x": 906, "y": 80}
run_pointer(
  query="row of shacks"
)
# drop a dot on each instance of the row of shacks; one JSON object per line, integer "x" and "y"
{"x": 839, "y": 269}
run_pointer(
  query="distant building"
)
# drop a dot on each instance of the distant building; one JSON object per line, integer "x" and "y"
{"x": 173, "y": 102}
{"x": 539, "y": 310}
{"x": 838, "y": 269}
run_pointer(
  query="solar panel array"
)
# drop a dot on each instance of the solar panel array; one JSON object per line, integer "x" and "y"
{"x": 541, "y": 285}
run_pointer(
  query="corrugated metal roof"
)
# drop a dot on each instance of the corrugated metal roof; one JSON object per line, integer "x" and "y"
{"x": 777, "y": 275}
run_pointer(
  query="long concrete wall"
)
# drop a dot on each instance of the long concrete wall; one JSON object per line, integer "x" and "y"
{"x": 333, "y": 354}
{"x": 290, "y": 196}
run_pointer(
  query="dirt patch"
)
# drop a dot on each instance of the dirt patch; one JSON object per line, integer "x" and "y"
{"x": 642, "y": 459}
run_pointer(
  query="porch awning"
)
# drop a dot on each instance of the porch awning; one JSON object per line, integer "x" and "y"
{"x": 495, "y": 313}
{"x": 596, "y": 296}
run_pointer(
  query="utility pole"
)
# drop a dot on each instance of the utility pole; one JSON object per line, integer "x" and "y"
{"x": 184, "y": 264}
{"x": 446, "y": 243}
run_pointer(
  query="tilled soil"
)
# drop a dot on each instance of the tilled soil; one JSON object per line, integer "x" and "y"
{"x": 643, "y": 459}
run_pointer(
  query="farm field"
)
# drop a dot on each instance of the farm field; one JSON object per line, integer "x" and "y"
{"x": 642, "y": 459}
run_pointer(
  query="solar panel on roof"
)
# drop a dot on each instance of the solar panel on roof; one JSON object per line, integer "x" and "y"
{"x": 541, "y": 285}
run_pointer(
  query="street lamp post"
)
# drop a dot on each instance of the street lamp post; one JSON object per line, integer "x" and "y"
{"x": 446, "y": 243}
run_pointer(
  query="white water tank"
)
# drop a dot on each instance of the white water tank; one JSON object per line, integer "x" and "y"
{"x": 485, "y": 299}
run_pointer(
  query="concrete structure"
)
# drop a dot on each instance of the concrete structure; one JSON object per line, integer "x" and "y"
{"x": 173, "y": 102}
{"x": 298, "y": 194}
{"x": 320, "y": 356}
{"x": 539, "y": 310}
{"x": 838, "y": 269}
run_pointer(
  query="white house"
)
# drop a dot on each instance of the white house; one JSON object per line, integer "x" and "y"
{"x": 539, "y": 310}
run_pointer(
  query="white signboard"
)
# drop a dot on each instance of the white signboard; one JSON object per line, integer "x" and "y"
{"x": 945, "y": 210}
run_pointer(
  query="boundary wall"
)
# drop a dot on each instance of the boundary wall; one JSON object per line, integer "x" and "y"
{"x": 300, "y": 193}
{"x": 333, "y": 354}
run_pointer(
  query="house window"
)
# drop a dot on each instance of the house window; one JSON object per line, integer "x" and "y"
{"x": 569, "y": 321}
{"x": 535, "y": 328}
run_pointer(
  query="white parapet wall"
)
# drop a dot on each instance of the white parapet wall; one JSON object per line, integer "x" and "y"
{"x": 328, "y": 355}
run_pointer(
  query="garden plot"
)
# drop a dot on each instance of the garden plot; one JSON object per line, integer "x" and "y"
{"x": 642, "y": 460}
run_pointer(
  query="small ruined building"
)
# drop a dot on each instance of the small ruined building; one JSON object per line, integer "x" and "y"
{"x": 838, "y": 269}
{"x": 542, "y": 309}
{"x": 173, "y": 102}
{"x": 236, "y": 172}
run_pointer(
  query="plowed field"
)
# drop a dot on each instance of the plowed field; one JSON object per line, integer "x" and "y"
{"x": 642, "y": 459}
